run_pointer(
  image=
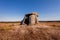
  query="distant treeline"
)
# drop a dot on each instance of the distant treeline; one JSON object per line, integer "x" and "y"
{"x": 20, "y": 21}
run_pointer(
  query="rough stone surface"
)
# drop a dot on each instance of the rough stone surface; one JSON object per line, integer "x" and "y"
{"x": 30, "y": 19}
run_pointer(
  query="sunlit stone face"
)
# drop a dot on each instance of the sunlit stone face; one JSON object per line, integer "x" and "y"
{"x": 32, "y": 19}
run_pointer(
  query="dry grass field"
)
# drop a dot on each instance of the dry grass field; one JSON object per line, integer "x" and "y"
{"x": 44, "y": 30}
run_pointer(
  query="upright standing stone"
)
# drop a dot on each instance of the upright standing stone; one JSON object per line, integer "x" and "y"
{"x": 33, "y": 18}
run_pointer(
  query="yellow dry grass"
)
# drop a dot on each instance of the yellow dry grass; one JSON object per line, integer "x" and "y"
{"x": 32, "y": 32}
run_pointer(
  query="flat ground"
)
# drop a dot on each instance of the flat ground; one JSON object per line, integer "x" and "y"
{"x": 41, "y": 31}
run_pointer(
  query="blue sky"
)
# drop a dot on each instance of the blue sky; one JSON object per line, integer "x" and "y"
{"x": 14, "y": 10}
